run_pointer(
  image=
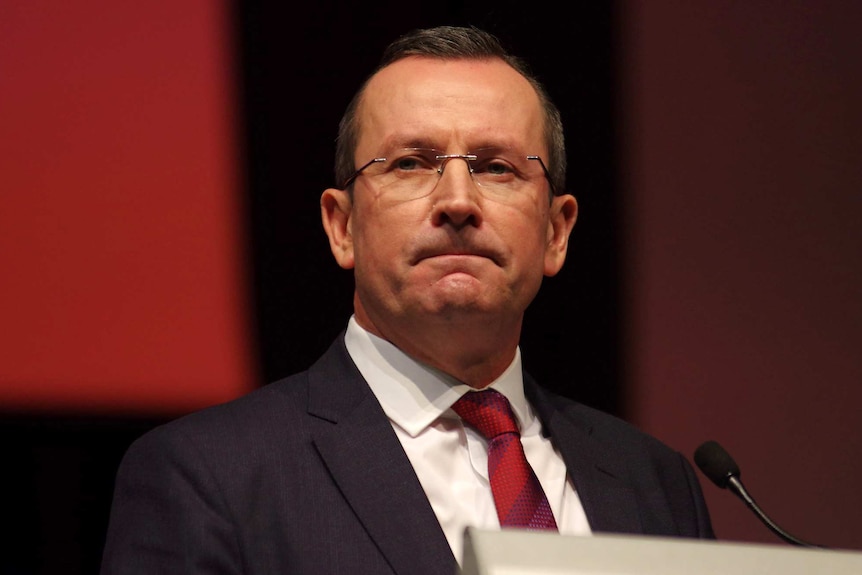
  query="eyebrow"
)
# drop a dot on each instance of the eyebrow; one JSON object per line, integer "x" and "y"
{"x": 501, "y": 144}
{"x": 400, "y": 143}
{"x": 428, "y": 144}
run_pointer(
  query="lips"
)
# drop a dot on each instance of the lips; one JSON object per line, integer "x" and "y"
{"x": 449, "y": 250}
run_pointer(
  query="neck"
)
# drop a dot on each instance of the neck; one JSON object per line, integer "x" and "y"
{"x": 474, "y": 351}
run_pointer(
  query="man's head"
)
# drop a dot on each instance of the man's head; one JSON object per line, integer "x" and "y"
{"x": 449, "y": 245}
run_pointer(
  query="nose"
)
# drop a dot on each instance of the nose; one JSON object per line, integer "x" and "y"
{"x": 457, "y": 201}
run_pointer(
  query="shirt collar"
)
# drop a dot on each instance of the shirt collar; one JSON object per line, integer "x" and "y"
{"x": 413, "y": 395}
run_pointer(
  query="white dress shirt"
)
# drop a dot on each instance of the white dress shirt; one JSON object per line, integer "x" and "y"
{"x": 450, "y": 459}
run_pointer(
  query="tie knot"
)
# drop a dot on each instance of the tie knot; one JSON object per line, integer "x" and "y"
{"x": 488, "y": 411}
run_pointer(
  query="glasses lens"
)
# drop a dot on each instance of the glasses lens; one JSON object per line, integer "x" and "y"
{"x": 406, "y": 173}
{"x": 505, "y": 172}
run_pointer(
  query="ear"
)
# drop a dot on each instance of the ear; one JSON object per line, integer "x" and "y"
{"x": 563, "y": 213}
{"x": 335, "y": 210}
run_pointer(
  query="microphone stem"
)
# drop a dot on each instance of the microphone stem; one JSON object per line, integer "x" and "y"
{"x": 736, "y": 487}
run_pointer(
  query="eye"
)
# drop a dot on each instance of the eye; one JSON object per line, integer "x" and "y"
{"x": 406, "y": 164}
{"x": 494, "y": 167}
{"x": 498, "y": 167}
{"x": 413, "y": 161}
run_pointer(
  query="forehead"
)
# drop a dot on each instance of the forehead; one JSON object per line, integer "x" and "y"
{"x": 455, "y": 105}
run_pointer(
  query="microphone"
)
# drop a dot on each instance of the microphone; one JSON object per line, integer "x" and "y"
{"x": 721, "y": 469}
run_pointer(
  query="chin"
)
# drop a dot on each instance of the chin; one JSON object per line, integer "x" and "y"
{"x": 461, "y": 308}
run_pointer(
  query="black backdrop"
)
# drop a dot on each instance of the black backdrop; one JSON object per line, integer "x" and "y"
{"x": 299, "y": 64}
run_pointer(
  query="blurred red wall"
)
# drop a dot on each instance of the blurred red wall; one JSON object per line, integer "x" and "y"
{"x": 743, "y": 197}
{"x": 120, "y": 214}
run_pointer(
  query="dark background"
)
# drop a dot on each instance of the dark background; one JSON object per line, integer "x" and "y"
{"x": 298, "y": 68}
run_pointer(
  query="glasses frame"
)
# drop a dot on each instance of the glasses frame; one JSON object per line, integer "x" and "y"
{"x": 443, "y": 158}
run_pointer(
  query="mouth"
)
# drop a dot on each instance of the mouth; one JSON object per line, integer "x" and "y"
{"x": 455, "y": 254}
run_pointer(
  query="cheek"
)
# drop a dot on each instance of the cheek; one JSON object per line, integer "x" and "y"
{"x": 376, "y": 241}
{"x": 528, "y": 232}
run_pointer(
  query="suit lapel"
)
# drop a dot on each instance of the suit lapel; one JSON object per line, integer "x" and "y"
{"x": 609, "y": 502}
{"x": 369, "y": 465}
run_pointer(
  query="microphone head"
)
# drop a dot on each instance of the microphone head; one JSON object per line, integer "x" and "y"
{"x": 716, "y": 463}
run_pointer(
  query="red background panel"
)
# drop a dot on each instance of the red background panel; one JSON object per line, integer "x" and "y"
{"x": 121, "y": 238}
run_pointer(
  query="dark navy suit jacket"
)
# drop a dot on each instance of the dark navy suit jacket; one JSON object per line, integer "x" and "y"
{"x": 306, "y": 476}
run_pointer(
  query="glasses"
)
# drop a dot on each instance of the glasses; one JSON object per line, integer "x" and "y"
{"x": 412, "y": 173}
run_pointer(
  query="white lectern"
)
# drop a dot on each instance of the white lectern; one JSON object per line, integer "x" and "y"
{"x": 517, "y": 552}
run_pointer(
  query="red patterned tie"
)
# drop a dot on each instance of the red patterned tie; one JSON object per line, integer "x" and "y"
{"x": 518, "y": 495}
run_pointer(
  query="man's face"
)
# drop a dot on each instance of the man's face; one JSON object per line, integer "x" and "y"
{"x": 457, "y": 252}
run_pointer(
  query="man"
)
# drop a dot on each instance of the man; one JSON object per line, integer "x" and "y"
{"x": 450, "y": 211}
